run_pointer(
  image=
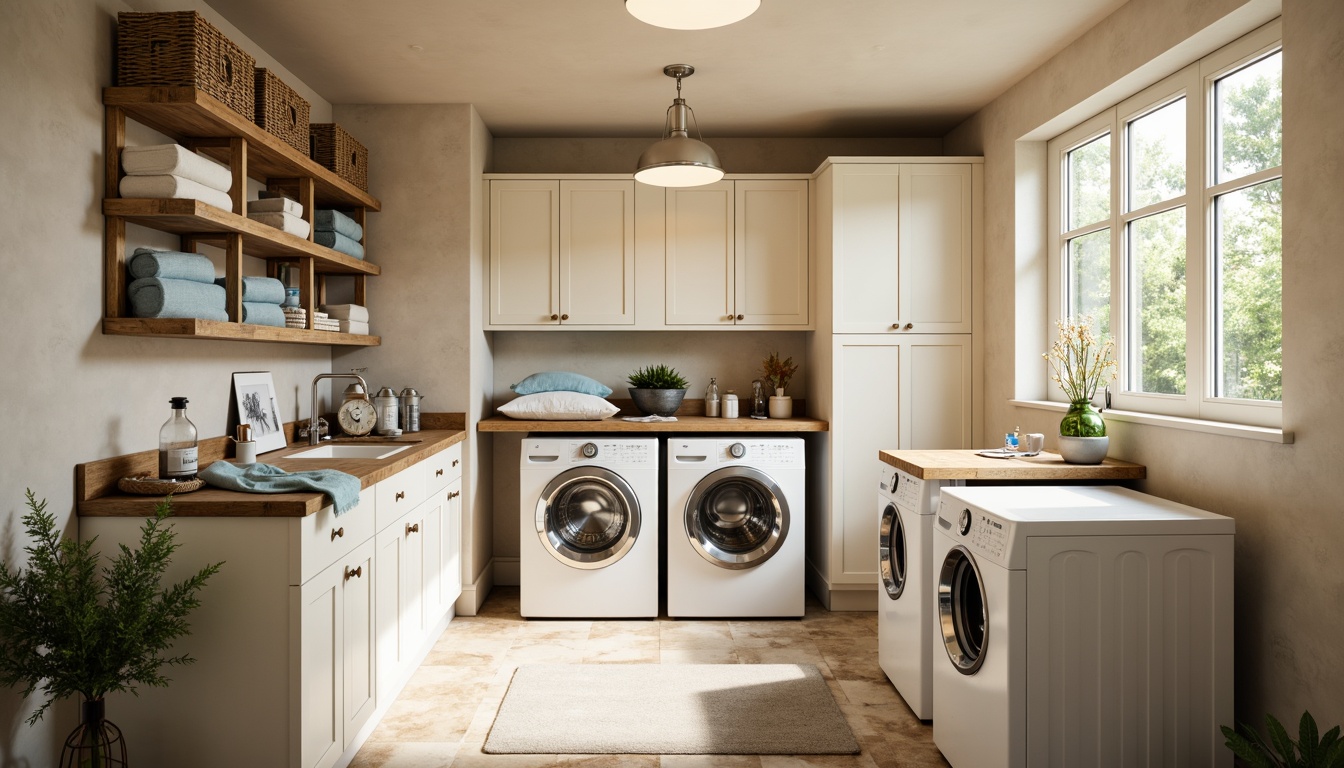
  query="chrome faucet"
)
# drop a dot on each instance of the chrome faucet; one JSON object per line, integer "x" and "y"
{"x": 314, "y": 435}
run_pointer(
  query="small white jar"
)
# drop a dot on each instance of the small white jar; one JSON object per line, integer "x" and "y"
{"x": 729, "y": 406}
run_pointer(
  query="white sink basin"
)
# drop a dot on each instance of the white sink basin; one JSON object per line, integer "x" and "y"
{"x": 350, "y": 451}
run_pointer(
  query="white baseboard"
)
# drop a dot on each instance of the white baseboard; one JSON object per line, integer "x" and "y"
{"x": 474, "y": 594}
{"x": 840, "y": 597}
{"x": 506, "y": 571}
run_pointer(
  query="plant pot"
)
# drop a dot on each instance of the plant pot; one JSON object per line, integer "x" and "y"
{"x": 95, "y": 743}
{"x": 657, "y": 402}
{"x": 781, "y": 407}
{"x": 1083, "y": 450}
{"x": 1082, "y": 420}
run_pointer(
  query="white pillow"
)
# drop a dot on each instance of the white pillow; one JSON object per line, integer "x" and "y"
{"x": 559, "y": 406}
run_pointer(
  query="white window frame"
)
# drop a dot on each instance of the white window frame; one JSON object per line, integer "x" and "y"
{"x": 1195, "y": 83}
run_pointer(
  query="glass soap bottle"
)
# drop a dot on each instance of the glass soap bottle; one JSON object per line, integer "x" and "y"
{"x": 712, "y": 399}
{"x": 177, "y": 444}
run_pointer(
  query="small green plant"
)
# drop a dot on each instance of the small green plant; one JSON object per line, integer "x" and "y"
{"x": 1280, "y": 751}
{"x": 68, "y": 626}
{"x": 778, "y": 372}
{"x": 657, "y": 377}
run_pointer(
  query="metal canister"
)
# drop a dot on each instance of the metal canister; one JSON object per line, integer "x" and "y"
{"x": 410, "y": 410}
{"x": 387, "y": 406}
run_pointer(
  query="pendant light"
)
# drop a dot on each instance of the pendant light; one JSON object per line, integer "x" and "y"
{"x": 691, "y": 14}
{"x": 678, "y": 160}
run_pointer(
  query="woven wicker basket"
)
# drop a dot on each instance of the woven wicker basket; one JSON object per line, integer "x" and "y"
{"x": 153, "y": 486}
{"x": 281, "y": 111}
{"x": 181, "y": 49}
{"x": 335, "y": 149}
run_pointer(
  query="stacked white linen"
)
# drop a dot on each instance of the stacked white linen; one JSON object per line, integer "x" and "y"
{"x": 280, "y": 212}
{"x": 172, "y": 170}
{"x": 351, "y": 318}
{"x": 323, "y": 323}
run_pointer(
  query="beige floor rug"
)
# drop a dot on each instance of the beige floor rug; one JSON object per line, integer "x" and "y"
{"x": 670, "y": 709}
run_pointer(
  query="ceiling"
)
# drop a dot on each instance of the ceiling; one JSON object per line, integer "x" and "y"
{"x": 566, "y": 68}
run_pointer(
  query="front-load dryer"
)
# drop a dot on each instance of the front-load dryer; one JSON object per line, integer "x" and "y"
{"x": 906, "y": 610}
{"x": 588, "y": 527}
{"x": 735, "y": 526}
{"x": 1085, "y": 625}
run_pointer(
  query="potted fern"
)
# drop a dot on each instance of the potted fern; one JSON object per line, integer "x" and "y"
{"x": 657, "y": 390}
{"x": 71, "y": 624}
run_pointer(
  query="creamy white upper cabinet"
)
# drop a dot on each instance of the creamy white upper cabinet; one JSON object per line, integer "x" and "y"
{"x": 899, "y": 238}
{"x": 737, "y": 254}
{"x": 562, "y": 252}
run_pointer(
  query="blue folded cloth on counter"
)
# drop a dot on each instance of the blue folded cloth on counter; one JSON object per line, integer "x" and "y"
{"x": 341, "y": 488}
{"x": 335, "y": 221}
{"x": 260, "y": 290}
{"x": 175, "y": 265}
{"x": 338, "y": 242}
{"x": 263, "y": 314}
{"x": 166, "y": 297}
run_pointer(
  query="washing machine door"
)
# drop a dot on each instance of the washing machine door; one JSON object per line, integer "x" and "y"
{"x": 963, "y": 615}
{"x": 891, "y": 551}
{"x": 737, "y": 517}
{"x": 588, "y": 517}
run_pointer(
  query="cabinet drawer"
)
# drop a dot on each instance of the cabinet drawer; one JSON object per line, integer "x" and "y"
{"x": 318, "y": 540}
{"x": 443, "y": 468}
{"x": 399, "y": 494}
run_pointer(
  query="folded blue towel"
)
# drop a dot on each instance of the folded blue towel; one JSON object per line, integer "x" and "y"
{"x": 343, "y": 489}
{"x": 165, "y": 297}
{"x": 335, "y": 221}
{"x": 263, "y": 314}
{"x": 147, "y": 262}
{"x": 261, "y": 290}
{"x": 338, "y": 242}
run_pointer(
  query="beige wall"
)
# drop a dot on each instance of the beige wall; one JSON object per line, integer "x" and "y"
{"x": 1285, "y": 498}
{"x": 77, "y": 395}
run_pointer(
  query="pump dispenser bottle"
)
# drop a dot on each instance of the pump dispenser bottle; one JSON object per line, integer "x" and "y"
{"x": 178, "y": 444}
{"x": 712, "y": 399}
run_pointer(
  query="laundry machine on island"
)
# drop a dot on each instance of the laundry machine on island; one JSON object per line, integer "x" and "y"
{"x": 1086, "y": 625}
{"x": 735, "y": 527}
{"x": 588, "y": 527}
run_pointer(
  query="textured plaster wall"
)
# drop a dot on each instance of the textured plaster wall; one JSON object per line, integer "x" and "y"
{"x": 1285, "y": 498}
{"x": 75, "y": 394}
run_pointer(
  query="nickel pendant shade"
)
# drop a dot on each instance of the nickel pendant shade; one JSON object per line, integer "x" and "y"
{"x": 678, "y": 160}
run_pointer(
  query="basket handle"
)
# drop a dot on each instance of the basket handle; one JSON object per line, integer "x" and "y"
{"x": 227, "y": 69}
{"x": 354, "y": 159}
{"x": 293, "y": 115}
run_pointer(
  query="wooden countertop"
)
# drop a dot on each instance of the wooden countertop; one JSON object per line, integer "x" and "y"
{"x": 682, "y": 424}
{"x": 966, "y": 465}
{"x": 97, "y": 494}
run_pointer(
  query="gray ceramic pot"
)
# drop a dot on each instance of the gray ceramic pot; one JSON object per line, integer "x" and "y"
{"x": 1083, "y": 450}
{"x": 657, "y": 402}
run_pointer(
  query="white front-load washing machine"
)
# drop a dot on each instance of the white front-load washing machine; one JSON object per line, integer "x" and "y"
{"x": 1085, "y": 625}
{"x": 588, "y": 527}
{"x": 906, "y": 609}
{"x": 735, "y": 526}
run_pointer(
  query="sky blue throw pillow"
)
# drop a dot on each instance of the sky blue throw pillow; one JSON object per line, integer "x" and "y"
{"x": 560, "y": 381}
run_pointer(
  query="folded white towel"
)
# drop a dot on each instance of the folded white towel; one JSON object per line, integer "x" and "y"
{"x": 175, "y": 159}
{"x": 650, "y": 418}
{"x": 175, "y": 187}
{"x": 275, "y": 205}
{"x": 322, "y": 327}
{"x": 356, "y": 312}
{"x": 286, "y": 222}
{"x": 295, "y": 323}
{"x": 353, "y": 326}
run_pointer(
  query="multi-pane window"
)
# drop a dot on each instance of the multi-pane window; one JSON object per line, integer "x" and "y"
{"x": 1165, "y": 227}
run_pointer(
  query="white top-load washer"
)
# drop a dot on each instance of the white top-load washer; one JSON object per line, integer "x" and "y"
{"x": 588, "y": 527}
{"x": 1086, "y": 625}
{"x": 735, "y": 541}
{"x": 906, "y": 609}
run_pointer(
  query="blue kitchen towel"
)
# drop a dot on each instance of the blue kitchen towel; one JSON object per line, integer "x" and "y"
{"x": 165, "y": 297}
{"x": 147, "y": 262}
{"x": 335, "y": 221}
{"x": 341, "y": 488}
{"x": 263, "y": 314}
{"x": 338, "y": 242}
{"x": 261, "y": 290}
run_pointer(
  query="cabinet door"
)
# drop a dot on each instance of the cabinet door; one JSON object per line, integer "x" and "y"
{"x": 451, "y": 587}
{"x": 935, "y": 244}
{"x": 524, "y": 252}
{"x": 410, "y": 575}
{"x": 770, "y": 257}
{"x": 700, "y": 237}
{"x": 431, "y": 562}
{"x": 388, "y": 588}
{"x": 357, "y": 600}
{"x": 321, "y": 669}
{"x": 597, "y": 252}
{"x": 866, "y": 248}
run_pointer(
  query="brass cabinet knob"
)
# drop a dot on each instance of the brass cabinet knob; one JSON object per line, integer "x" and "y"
{"x": 555, "y": 317}
{"x": 354, "y": 573}
{"x": 564, "y": 317}
{"x": 741, "y": 317}
{"x": 438, "y": 472}
{"x": 454, "y": 462}
{"x": 400, "y": 495}
{"x": 412, "y": 528}
{"x": 895, "y": 326}
{"x": 454, "y": 495}
{"x": 908, "y": 326}
{"x": 339, "y": 532}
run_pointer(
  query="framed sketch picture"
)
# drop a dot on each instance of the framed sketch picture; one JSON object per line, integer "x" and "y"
{"x": 255, "y": 392}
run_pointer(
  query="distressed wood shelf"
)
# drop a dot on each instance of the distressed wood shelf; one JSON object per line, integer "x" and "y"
{"x": 174, "y": 327}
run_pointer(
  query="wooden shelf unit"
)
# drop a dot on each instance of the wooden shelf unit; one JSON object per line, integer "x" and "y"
{"x": 201, "y": 122}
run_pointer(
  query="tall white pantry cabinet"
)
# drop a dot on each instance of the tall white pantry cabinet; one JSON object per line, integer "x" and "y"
{"x": 896, "y": 242}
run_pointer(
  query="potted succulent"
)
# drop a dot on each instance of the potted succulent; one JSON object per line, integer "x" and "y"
{"x": 1079, "y": 363}
{"x": 72, "y": 623}
{"x": 657, "y": 390}
{"x": 778, "y": 373}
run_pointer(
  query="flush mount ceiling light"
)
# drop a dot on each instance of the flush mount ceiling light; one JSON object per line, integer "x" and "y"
{"x": 691, "y": 14}
{"x": 678, "y": 160}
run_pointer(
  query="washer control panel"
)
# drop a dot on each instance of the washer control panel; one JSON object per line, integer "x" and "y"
{"x": 614, "y": 454}
{"x": 785, "y": 452}
{"x": 983, "y": 533}
{"x": 909, "y": 490}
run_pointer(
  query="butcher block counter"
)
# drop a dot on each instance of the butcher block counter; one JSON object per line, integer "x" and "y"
{"x": 966, "y": 465}
{"x": 97, "y": 495}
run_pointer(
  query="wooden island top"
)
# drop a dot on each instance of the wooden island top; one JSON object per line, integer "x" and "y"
{"x": 966, "y": 465}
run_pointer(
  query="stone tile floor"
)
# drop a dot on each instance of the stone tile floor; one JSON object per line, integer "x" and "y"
{"x": 444, "y": 714}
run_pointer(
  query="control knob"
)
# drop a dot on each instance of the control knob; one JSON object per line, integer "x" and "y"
{"x": 589, "y": 450}
{"x": 737, "y": 450}
{"x": 964, "y": 522}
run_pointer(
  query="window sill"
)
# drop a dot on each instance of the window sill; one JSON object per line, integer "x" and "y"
{"x": 1267, "y": 434}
